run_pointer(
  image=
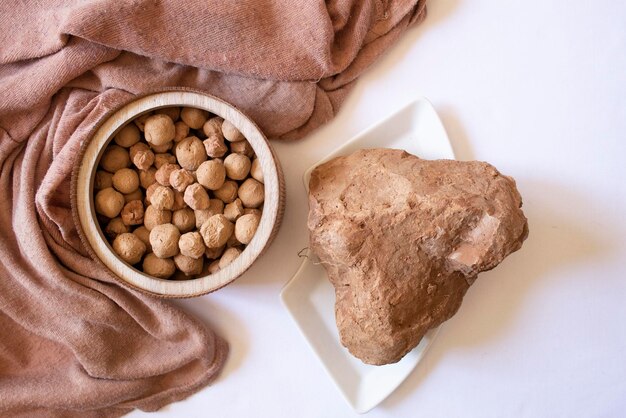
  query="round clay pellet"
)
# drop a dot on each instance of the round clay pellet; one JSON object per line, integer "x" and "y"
{"x": 128, "y": 136}
{"x": 132, "y": 213}
{"x": 161, "y": 268}
{"x": 173, "y": 112}
{"x": 229, "y": 256}
{"x": 190, "y": 153}
{"x": 159, "y": 129}
{"x": 211, "y": 174}
{"x": 129, "y": 247}
{"x": 191, "y": 245}
{"x": 231, "y": 133}
{"x": 256, "y": 171}
{"x": 228, "y": 192}
{"x": 147, "y": 177}
{"x": 189, "y": 265}
{"x": 103, "y": 180}
{"x": 246, "y": 227}
{"x": 193, "y": 117}
{"x": 196, "y": 197}
{"x": 164, "y": 240}
{"x": 144, "y": 235}
{"x": 251, "y": 193}
{"x": 126, "y": 180}
{"x": 237, "y": 166}
{"x": 115, "y": 227}
{"x": 115, "y": 158}
{"x": 136, "y": 195}
{"x": 214, "y": 146}
{"x": 184, "y": 219}
{"x": 153, "y": 217}
{"x": 182, "y": 131}
{"x": 109, "y": 202}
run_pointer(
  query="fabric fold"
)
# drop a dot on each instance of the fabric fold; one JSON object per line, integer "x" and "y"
{"x": 73, "y": 342}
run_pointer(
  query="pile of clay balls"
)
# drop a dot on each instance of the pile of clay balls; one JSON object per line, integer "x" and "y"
{"x": 179, "y": 193}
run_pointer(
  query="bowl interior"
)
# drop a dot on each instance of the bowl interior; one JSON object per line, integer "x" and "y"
{"x": 272, "y": 207}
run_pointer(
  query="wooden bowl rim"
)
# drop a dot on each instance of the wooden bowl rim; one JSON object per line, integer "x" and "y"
{"x": 92, "y": 233}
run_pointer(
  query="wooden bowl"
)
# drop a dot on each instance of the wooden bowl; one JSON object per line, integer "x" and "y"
{"x": 93, "y": 236}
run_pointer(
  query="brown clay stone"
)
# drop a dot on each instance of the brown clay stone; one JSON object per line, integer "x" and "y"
{"x": 402, "y": 239}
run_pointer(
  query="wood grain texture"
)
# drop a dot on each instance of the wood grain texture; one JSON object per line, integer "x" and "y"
{"x": 92, "y": 235}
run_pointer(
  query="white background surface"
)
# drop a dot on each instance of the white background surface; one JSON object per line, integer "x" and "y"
{"x": 539, "y": 90}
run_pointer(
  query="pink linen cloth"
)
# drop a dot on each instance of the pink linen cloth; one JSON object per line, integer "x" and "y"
{"x": 73, "y": 342}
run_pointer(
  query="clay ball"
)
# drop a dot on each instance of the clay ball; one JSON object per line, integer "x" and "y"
{"x": 144, "y": 235}
{"x": 231, "y": 133}
{"x": 136, "y": 195}
{"x": 128, "y": 136}
{"x": 216, "y": 207}
{"x": 211, "y": 174}
{"x": 256, "y": 171}
{"x": 150, "y": 191}
{"x": 164, "y": 240}
{"x": 246, "y": 211}
{"x": 162, "y": 198}
{"x": 126, "y": 180}
{"x": 190, "y": 153}
{"x": 233, "y": 210}
{"x": 140, "y": 122}
{"x": 136, "y": 148}
{"x": 182, "y": 131}
{"x": 214, "y": 267}
{"x": 173, "y": 112}
{"x": 115, "y": 227}
{"x": 162, "y": 268}
{"x": 242, "y": 147}
{"x": 153, "y": 217}
{"x": 179, "y": 200}
{"x": 159, "y": 129}
{"x": 189, "y": 265}
{"x": 161, "y": 149}
{"x": 180, "y": 179}
{"x": 251, "y": 193}
{"x": 193, "y": 117}
{"x": 245, "y": 228}
{"x": 214, "y": 253}
{"x": 132, "y": 213}
{"x": 164, "y": 158}
{"x": 102, "y": 180}
{"x": 229, "y": 256}
{"x": 214, "y": 146}
{"x": 237, "y": 166}
{"x": 115, "y": 158}
{"x": 196, "y": 197}
{"x": 162, "y": 175}
{"x": 216, "y": 230}
{"x": 143, "y": 160}
{"x": 109, "y": 202}
{"x": 129, "y": 247}
{"x": 228, "y": 192}
{"x": 213, "y": 126}
{"x": 233, "y": 242}
{"x": 184, "y": 219}
{"x": 191, "y": 245}
{"x": 147, "y": 177}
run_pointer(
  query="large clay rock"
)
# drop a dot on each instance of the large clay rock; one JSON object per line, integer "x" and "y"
{"x": 402, "y": 239}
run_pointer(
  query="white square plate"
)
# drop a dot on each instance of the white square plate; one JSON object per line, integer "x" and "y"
{"x": 310, "y": 298}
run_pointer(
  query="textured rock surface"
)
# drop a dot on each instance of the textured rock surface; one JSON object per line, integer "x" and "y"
{"x": 402, "y": 239}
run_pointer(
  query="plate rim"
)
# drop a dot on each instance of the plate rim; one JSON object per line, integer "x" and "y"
{"x": 421, "y": 100}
